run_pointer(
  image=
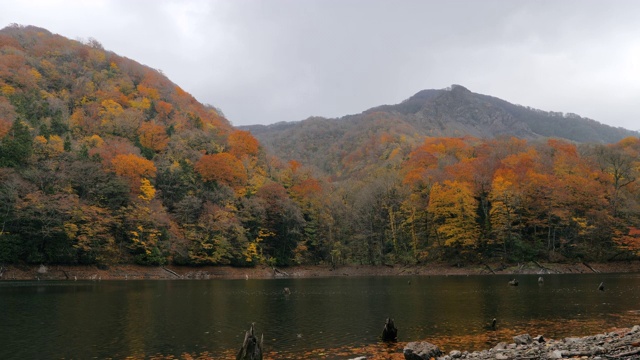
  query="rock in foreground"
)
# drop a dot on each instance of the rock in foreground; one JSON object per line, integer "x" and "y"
{"x": 421, "y": 350}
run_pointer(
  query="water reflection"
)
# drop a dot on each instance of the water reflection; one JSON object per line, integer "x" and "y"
{"x": 323, "y": 318}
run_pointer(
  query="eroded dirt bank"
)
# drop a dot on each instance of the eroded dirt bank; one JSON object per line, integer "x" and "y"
{"x": 134, "y": 272}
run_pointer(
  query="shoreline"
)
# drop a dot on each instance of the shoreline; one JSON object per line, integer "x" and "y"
{"x": 172, "y": 272}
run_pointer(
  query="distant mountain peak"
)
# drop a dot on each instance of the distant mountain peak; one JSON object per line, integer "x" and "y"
{"x": 458, "y": 88}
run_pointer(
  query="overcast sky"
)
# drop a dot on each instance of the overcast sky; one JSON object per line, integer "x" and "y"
{"x": 264, "y": 61}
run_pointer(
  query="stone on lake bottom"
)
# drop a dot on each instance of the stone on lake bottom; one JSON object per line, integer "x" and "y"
{"x": 455, "y": 354}
{"x": 421, "y": 350}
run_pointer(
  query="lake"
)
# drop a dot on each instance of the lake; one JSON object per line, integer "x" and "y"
{"x": 329, "y": 318}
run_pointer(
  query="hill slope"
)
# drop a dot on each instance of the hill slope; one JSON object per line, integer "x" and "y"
{"x": 451, "y": 112}
{"x": 104, "y": 160}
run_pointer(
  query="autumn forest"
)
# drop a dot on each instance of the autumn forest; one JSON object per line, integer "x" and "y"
{"x": 106, "y": 161}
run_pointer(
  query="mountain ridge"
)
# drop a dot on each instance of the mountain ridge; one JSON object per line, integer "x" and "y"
{"x": 451, "y": 112}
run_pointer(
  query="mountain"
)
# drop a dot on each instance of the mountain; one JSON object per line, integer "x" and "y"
{"x": 450, "y": 112}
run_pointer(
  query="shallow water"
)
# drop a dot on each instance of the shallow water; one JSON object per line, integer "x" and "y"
{"x": 322, "y": 317}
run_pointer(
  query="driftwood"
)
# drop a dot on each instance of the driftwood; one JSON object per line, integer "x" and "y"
{"x": 251, "y": 348}
{"x": 66, "y": 275}
{"x": 172, "y": 272}
{"x": 278, "y": 272}
{"x": 546, "y": 269}
{"x": 590, "y": 268}
{"x": 488, "y": 267}
{"x": 390, "y": 332}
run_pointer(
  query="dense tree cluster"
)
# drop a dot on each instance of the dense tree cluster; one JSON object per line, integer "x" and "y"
{"x": 104, "y": 160}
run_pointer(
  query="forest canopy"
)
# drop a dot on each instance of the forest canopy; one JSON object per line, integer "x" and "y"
{"x": 106, "y": 161}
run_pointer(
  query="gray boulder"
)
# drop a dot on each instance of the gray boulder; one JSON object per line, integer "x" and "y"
{"x": 421, "y": 350}
{"x": 524, "y": 339}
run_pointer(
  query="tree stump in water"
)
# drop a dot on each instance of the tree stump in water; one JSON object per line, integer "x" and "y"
{"x": 389, "y": 333}
{"x": 251, "y": 348}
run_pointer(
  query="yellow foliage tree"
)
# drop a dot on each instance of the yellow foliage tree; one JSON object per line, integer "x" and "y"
{"x": 454, "y": 211}
{"x": 148, "y": 92}
{"x": 46, "y": 149}
{"x": 505, "y": 202}
{"x": 147, "y": 191}
{"x": 141, "y": 103}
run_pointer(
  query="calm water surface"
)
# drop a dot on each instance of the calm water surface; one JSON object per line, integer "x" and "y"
{"x": 321, "y": 318}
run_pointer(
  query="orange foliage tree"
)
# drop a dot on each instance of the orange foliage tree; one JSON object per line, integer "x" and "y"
{"x": 133, "y": 168}
{"x": 222, "y": 168}
{"x": 153, "y": 136}
{"x": 242, "y": 143}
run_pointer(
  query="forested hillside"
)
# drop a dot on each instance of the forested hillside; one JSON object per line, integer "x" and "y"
{"x": 105, "y": 161}
{"x": 451, "y": 112}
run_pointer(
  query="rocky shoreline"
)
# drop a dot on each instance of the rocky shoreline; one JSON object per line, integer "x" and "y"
{"x": 137, "y": 272}
{"x": 619, "y": 344}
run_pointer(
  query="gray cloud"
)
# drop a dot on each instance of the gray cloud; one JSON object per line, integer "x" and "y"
{"x": 284, "y": 60}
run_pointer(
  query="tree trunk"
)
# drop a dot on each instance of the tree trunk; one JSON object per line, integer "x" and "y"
{"x": 389, "y": 333}
{"x": 251, "y": 348}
